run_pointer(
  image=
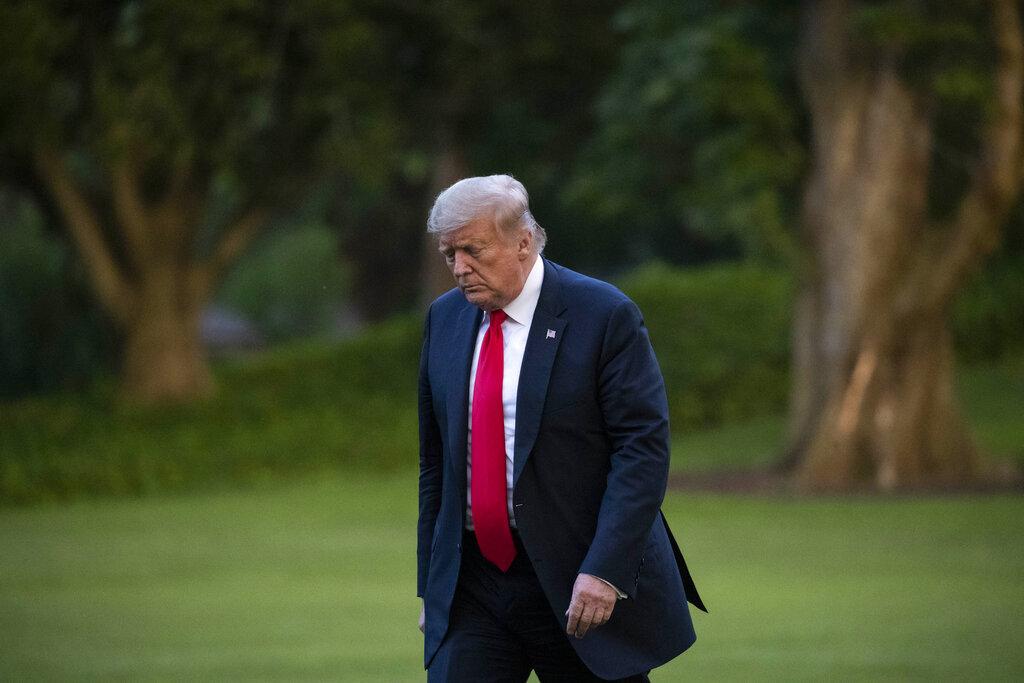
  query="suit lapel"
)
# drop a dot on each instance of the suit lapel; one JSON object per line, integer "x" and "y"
{"x": 457, "y": 400}
{"x": 546, "y": 333}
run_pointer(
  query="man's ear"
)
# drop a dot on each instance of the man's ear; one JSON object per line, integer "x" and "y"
{"x": 525, "y": 245}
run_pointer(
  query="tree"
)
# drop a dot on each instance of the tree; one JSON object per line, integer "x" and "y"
{"x": 890, "y": 240}
{"x": 911, "y": 123}
{"x": 166, "y": 134}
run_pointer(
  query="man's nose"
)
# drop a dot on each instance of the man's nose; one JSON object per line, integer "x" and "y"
{"x": 461, "y": 265}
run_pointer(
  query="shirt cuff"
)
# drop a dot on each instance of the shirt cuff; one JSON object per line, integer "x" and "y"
{"x": 622, "y": 596}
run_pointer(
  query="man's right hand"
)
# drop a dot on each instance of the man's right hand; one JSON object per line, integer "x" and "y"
{"x": 423, "y": 617}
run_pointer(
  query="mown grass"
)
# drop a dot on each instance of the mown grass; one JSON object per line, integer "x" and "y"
{"x": 315, "y": 580}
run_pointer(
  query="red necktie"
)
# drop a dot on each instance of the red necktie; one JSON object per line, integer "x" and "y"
{"x": 490, "y": 507}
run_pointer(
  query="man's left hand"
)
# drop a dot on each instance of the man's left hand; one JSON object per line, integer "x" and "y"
{"x": 592, "y": 603}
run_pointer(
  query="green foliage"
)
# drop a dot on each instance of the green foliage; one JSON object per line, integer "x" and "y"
{"x": 702, "y": 132}
{"x": 482, "y": 88}
{"x": 308, "y": 407}
{"x": 698, "y": 128}
{"x": 30, "y": 267}
{"x": 945, "y": 53}
{"x": 263, "y": 93}
{"x": 312, "y": 406}
{"x": 656, "y": 129}
{"x": 290, "y": 284}
{"x": 936, "y": 42}
{"x": 179, "y": 128}
{"x": 720, "y": 333}
{"x": 49, "y": 334}
{"x": 721, "y": 336}
{"x": 988, "y": 317}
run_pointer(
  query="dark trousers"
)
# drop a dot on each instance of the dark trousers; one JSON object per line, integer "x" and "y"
{"x": 501, "y": 627}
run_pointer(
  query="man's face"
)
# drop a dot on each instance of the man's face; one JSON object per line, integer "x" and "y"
{"x": 489, "y": 266}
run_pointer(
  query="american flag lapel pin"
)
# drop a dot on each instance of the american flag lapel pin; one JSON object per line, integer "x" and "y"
{"x": 550, "y": 335}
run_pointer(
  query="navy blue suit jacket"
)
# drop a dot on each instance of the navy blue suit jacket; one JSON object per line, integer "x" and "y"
{"x": 590, "y": 468}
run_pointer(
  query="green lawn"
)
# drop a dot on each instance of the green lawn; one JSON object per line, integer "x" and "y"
{"x": 315, "y": 580}
{"x": 755, "y": 442}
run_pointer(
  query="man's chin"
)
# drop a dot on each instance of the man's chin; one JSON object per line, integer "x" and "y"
{"x": 478, "y": 297}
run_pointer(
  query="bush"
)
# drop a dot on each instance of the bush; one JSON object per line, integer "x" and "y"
{"x": 289, "y": 284}
{"x": 52, "y": 335}
{"x": 308, "y": 407}
{"x": 721, "y": 337}
{"x": 721, "y": 334}
{"x": 988, "y": 317}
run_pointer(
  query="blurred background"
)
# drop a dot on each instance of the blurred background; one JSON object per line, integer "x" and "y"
{"x": 213, "y": 271}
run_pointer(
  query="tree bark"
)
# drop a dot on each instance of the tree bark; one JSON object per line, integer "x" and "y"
{"x": 164, "y": 359}
{"x": 872, "y": 403}
{"x": 109, "y": 279}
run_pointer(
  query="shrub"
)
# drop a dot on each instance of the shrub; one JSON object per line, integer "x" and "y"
{"x": 306, "y": 407}
{"x": 721, "y": 337}
{"x": 289, "y": 284}
{"x": 988, "y": 317}
{"x": 52, "y": 335}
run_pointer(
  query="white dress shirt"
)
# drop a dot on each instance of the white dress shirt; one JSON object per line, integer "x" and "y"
{"x": 515, "y": 331}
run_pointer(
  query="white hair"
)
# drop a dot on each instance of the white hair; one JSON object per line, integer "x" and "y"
{"x": 499, "y": 197}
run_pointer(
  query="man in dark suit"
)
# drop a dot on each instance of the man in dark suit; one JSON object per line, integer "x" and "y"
{"x": 544, "y": 452}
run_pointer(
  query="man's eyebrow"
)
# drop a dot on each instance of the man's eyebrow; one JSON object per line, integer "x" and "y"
{"x": 462, "y": 245}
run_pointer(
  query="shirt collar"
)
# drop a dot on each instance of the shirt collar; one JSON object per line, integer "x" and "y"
{"x": 521, "y": 308}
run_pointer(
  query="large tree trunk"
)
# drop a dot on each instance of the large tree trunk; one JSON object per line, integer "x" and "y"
{"x": 157, "y": 290}
{"x": 872, "y": 402}
{"x": 164, "y": 359}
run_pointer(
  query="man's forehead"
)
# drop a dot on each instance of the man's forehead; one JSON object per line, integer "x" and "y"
{"x": 472, "y": 233}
